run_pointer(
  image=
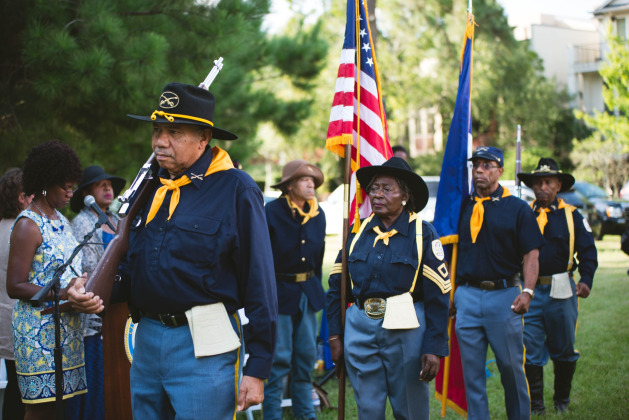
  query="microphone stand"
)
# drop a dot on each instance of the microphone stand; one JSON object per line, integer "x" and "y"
{"x": 40, "y": 298}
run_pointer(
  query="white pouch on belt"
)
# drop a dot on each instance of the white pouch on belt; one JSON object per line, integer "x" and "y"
{"x": 400, "y": 313}
{"x": 561, "y": 287}
{"x": 211, "y": 329}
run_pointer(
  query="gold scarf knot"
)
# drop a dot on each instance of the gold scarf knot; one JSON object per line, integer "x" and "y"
{"x": 220, "y": 162}
{"x": 312, "y": 213}
{"x": 478, "y": 213}
{"x": 383, "y": 235}
{"x": 542, "y": 218}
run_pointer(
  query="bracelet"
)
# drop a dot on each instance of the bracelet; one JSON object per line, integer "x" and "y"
{"x": 332, "y": 338}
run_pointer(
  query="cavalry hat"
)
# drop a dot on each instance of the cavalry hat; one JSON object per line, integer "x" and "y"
{"x": 489, "y": 153}
{"x": 186, "y": 104}
{"x": 91, "y": 175}
{"x": 298, "y": 168}
{"x": 547, "y": 167}
{"x": 398, "y": 168}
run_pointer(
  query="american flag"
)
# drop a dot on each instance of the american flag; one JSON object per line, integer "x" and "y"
{"x": 350, "y": 122}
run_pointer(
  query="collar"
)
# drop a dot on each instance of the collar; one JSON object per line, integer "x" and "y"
{"x": 196, "y": 172}
{"x": 553, "y": 206}
{"x": 401, "y": 224}
{"x": 495, "y": 196}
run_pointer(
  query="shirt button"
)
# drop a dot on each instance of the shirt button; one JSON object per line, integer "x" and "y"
{"x": 303, "y": 258}
{"x": 161, "y": 229}
{"x": 379, "y": 257}
{"x": 196, "y": 226}
{"x": 154, "y": 249}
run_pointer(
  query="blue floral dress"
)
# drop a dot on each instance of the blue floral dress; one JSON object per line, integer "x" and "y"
{"x": 34, "y": 333}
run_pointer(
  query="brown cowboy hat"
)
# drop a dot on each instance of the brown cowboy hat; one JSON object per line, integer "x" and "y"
{"x": 547, "y": 167}
{"x": 298, "y": 168}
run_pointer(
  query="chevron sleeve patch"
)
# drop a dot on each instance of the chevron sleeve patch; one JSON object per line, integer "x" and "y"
{"x": 336, "y": 268}
{"x": 441, "y": 279}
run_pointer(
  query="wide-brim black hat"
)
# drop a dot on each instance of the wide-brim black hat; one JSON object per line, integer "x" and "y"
{"x": 91, "y": 175}
{"x": 547, "y": 167}
{"x": 186, "y": 104}
{"x": 399, "y": 168}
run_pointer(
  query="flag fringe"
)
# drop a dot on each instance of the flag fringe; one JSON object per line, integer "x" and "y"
{"x": 335, "y": 144}
{"x": 450, "y": 239}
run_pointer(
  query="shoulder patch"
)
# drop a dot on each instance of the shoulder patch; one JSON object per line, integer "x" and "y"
{"x": 587, "y": 225}
{"x": 437, "y": 249}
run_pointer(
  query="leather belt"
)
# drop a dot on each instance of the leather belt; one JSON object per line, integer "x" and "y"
{"x": 512, "y": 281}
{"x": 169, "y": 320}
{"x": 544, "y": 280}
{"x": 295, "y": 277}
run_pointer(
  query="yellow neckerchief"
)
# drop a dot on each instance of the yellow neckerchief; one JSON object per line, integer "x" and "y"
{"x": 383, "y": 235}
{"x": 478, "y": 212}
{"x": 542, "y": 220}
{"x": 220, "y": 162}
{"x": 419, "y": 235}
{"x": 312, "y": 213}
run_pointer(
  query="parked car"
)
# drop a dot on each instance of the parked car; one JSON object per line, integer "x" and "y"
{"x": 586, "y": 208}
{"x": 428, "y": 212}
{"x": 624, "y": 191}
{"x": 614, "y": 214}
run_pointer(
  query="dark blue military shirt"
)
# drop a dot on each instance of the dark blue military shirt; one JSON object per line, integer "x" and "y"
{"x": 384, "y": 271}
{"x": 509, "y": 231}
{"x": 553, "y": 256}
{"x": 297, "y": 248}
{"x": 215, "y": 248}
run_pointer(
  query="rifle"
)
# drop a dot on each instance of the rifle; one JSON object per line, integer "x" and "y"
{"x": 133, "y": 201}
{"x": 518, "y": 162}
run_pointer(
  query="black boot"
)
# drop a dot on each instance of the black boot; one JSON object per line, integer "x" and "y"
{"x": 564, "y": 371}
{"x": 535, "y": 377}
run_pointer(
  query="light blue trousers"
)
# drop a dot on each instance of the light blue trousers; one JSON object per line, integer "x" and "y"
{"x": 385, "y": 363}
{"x": 295, "y": 352}
{"x": 550, "y": 327}
{"x": 485, "y": 317}
{"x": 168, "y": 382}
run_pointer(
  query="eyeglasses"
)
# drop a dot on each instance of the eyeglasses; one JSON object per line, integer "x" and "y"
{"x": 385, "y": 189}
{"x": 485, "y": 165}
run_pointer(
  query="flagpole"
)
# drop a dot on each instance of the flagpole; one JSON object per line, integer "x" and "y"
{"x": 446, "y": 366}
{"x": 344, "y": 271}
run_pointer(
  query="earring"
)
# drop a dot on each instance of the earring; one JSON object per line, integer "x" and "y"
{"x": 44, "y": 193}
{"x": 403, "y": 202}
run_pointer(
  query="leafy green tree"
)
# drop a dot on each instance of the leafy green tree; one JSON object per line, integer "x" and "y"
{"x": 604, "y": 156}
{"x": 72, "y": 70}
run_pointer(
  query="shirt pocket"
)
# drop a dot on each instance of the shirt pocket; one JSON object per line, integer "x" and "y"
{"x": 195, "y": 239}
{"x": 403, "y": 268}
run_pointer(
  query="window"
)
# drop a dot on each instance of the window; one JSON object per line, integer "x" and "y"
{"x": 621, "y": 28}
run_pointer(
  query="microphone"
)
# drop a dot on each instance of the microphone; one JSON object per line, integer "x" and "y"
{"x": 90, "y": 202}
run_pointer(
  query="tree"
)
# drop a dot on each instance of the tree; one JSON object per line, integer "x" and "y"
{"x": 604, "y": 156}
{"x": 72, "y": 70}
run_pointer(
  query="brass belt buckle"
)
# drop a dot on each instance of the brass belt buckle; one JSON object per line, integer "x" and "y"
{"x": 301, "y": 277}
{"x": 375, "y": 307}
{"x": 487, "y": 285}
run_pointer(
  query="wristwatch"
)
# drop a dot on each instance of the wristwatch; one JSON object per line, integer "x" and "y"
{"x": 529, "y": 291}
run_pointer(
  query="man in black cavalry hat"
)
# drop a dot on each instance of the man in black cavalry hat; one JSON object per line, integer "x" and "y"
{"x": 197, "y": 253}
{"x": 550, "y": 324}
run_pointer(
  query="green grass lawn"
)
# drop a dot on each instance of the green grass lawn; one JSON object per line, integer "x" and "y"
{"x": 600, "y": 389}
